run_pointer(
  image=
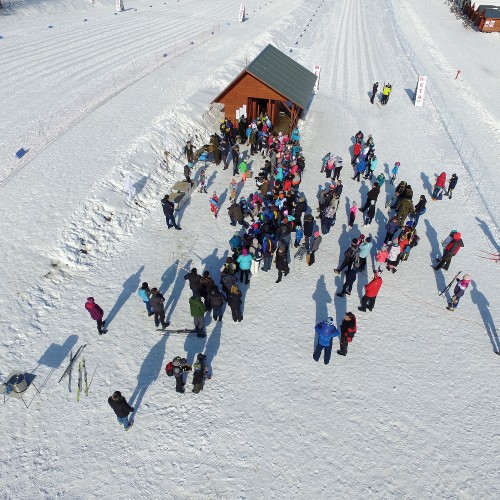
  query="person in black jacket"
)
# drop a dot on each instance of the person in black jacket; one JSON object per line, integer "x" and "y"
{"x": 122, "y": 409}
{"x": 157, "y": 301}
{"x": 374, "y": 92}
{"x": 215, "y": 301}
{"x": 350, "y": 279}
{"x": 349, "y": 255}
{"x": 452, "y": 184}
{"x": 308, "y": 229}
{"x": 372, "y": 195}
{"x": 168, "y": 210}
{"x": 347, "y": 332}
{"x": 234, "y": 302}
{"x": 419, "y": 209}
{"x": 282, "y": 262}
{"x": 194, "y": 282}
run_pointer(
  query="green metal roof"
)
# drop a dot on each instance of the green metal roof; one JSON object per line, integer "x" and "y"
{"x": 492, "y": 13}
{"x": 284, "y": 75}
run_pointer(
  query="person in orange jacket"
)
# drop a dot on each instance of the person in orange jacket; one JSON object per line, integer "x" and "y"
{"x": 371, "y": 291}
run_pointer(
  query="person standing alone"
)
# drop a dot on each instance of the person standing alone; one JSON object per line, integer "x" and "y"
{"x": 122, "y": 409}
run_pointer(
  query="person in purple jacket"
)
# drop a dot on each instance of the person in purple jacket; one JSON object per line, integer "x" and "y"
{"x": 96, "y": 313}
{"x": 326, "y": 330}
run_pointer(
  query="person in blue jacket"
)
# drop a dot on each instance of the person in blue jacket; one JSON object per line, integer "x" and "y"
{"x": 295, "y": 135}
{"x": 360, "y": 168}
{"x": 326, "y": 330}
{"x": 144, "y": 293}
{"x": 364, "y": 252}
{"x": 245, "y": 263}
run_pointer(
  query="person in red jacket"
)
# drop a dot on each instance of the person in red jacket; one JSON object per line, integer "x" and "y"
{"x": 452, "y": 245}
{"x": 96, "y": 313}
{"x": 356, "y": 152}
{"x": 371, "y": 291}
{"x": 439, "y": 186}
{"x": 347, "y": 331}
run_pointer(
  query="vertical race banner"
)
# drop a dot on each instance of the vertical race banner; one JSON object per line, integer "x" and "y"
{"x": 316, "y": 71}
{"x": 119, "y": 6}
{"x": 241, "y": 16}
{"x": 420, "y": 90}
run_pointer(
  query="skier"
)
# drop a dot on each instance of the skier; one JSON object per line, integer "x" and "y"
{"x": 347, "y": 331}
{"x": 144, "y": 293}
{"x": 214, "y": 204}
{"x": 203, "y": 182}
{"x": 282, "y": 262}
{"x": 374, "y": 92}
{"x": 96, "y": 313}
{"x": 371, "y": 291}
{"x": 459, "y": 291}
{"x": 122, "y": 409}
{"x": 352, "y": 214}
{"x": 451, "y": 245}
{"x": 350, "y": 279}
{"x": 437, "y": 194}
{"x": 245, "y": 263}
{"x": 157, "y": 300}
{"x": 234, "y": 302}
{"x": 198, "y": 311}
{"x": 200, "y": 372}
{"x": 326, "y": 330}
{"x": 215, "y": 302}
{"x": 168, "y": 211}
{"x": 180, "y": 366}
{"x": 316, "y": 242}
{"x": 452, "y": 184}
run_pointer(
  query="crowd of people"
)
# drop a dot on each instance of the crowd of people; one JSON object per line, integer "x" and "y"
{"x": 276, "y": 215}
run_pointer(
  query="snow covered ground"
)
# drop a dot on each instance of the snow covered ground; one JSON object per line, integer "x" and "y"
{"x": 411, "y": 412}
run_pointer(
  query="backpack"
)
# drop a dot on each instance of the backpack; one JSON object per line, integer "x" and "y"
{"x": 169, "y": 369}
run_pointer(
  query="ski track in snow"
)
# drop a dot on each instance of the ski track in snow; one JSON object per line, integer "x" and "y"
{"x": 410, "y": 412}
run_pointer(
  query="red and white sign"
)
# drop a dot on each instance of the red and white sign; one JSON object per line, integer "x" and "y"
{"x": 420, "y": 92}
{"x": 241, "y": 16}
{"x": 316, "y": 71}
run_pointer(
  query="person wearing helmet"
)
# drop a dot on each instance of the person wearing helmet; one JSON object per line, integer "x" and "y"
{"x": 458, "y": 292}
{"x": 326, "y": 330}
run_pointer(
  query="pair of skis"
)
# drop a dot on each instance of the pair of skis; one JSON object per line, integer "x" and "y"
{"x": 82, "y": 377}
{"x": 495, "y": 257}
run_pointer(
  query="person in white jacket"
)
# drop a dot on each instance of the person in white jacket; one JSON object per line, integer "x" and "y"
{"x": 392, "y": 260}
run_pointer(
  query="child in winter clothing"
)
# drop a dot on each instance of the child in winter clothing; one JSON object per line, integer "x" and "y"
{"x": 233, "y": 188}
{"x": 381, "y": 258}
{"x": 352, "y": 214}
{"x": 144, "y": 292}
{"x": 394, "y": 172}
{"x": 324, "y": 161}
{"x": 214, "y": 203}
{"x": 203, "y": 182}
{"x": 393, "y": 257}
{"x": 242, "y": 167}
{"x": 96, "y": 313}
{"x": 452, "y": 184}
{"x": 459, "y": 291}
{"x": 298, "y": 236}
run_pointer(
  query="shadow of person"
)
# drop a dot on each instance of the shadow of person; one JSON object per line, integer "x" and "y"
{"x": 322, "y": 298}
{"x": 193, "y": 345}
{"x": 211, "y": 180}
{"x": 167, "y": 277}
{"x": 381, "y": 220}
{"x": 180, "y": 213}
{"x": 435, "y": 254}
{"x": 222, "y": 199}
{"x": 486, "y": 230}
{"x": 150, "y": 369}
{"x": 482, "y": 304}
{"x": 426, "y": 183}
{"x": 130, "y": 286}
{"x": 211, "y": 262}
{"x": 213, "y": 342}
{"x": 179, "y": 282}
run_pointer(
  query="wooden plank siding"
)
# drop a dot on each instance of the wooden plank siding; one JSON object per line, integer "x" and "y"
{"x": 244, "y": 88}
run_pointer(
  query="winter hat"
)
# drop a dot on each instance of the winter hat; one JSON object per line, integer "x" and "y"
{"x": 329, "y": 320}
{"x": 116, "y": 395}
{"x": 316, "y": 233}
{"x": 145, "y": 285}
{"x": 354, "y": 241}
{"x": 384, "y": 247}
{"x": 90, "y": 299}
{"x": 332, "y": 186}
{"x": 244, "y": 251}
{"x": 354, "y": 204}
{"x": 368, "y": 239}
{"x": 467, "y": 277}
{"x": 395, "y": 241}
{"x": 372, "y": 202}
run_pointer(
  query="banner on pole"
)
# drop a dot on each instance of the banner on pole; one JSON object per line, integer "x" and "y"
{"x": 420, "y": 90}
{"x": 316, "y": 71}
{"x": 241, "y": 16}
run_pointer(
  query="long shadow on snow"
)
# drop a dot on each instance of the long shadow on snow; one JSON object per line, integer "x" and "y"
{"x": 150, "y": 369}
{"x": 192, "y": 346}
{"x": 168, "y": 276}
{"x": 426, "y": 183}
{"x": 434, "y": 254}
{"x": 381, "y": 221}
{"x": 482, "y": 303}
{"x": 171, "y": 303}
{"x": 130, "y": 285}
{"x": 213, "y": 342}
{"x": 486, "y": 230}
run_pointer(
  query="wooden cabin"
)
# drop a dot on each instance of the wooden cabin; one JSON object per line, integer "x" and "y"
{"x": 271, "y": 84}
{"x": 488, "y": 20}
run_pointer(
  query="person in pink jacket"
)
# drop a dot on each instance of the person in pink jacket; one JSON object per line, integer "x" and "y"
{"x": 96, "y": 313}
{"x": 381, "y": 258}
{"x": 352, "y": 214}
